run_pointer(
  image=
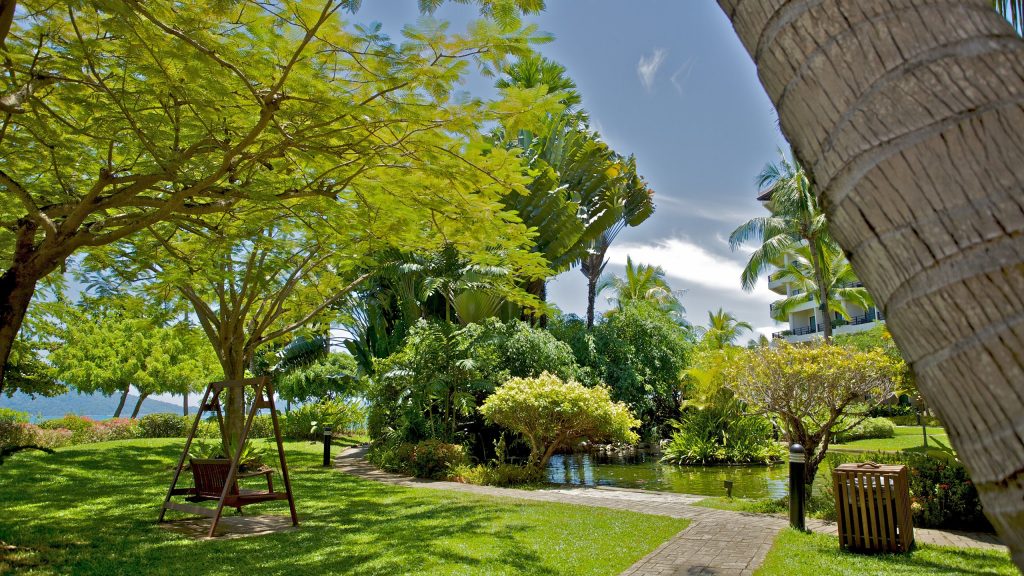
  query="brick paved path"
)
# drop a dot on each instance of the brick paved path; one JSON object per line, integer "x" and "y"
{"x": 719, "y": 542}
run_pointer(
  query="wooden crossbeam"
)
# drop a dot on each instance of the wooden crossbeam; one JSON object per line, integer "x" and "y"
{"x": 191, "y": 509}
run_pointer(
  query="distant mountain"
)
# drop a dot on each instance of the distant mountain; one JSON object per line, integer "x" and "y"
{"x": 91, "y": 405}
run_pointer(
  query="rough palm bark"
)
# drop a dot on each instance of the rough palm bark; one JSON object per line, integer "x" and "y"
{"x": 908, "y": 115}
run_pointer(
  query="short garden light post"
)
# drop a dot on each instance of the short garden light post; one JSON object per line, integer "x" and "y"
{"x": 727, "y": 484}
{"x": 797, "y": 488}
{"x": 328, "y": 430}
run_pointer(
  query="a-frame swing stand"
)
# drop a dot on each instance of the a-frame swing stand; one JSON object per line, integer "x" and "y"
{"x": 217, "y": 479}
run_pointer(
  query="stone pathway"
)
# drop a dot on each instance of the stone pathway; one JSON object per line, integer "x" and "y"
{"x": 718, "y": 542}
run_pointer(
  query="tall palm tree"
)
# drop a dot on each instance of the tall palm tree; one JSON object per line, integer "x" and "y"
{"x": 634, "y": 203}
{"x": 839, "y": 283}
{"x": 920, "y": 174}
{"x": 796, "y": 219}
{"x": 582, "y": 190}
{"x": 644, "y": 283}
{"x": 724, "y": 328}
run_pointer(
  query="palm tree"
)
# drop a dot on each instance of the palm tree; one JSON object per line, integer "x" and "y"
{"x": 724, "y": 328}
{"x": 582, "y": 190}
{"x": 796, "y": 219}
{"x": 644, "y": 283}
{"x": 920, "y": 174}
{"x": 634, "y": 204}
{"x": 839, "y": 282}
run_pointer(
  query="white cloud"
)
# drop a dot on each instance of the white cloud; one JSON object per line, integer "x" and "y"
{"x": 647, "y": 67}
{"x": 679, "y": 77}
{"x": 692, "y": 264}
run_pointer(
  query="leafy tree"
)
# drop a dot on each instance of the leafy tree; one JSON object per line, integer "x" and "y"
{"x": 583, "y": 192}
{"x": 796, "y": 220}
{"x": 431, "y": 387}
{"x": 723, "y": 329}
{"x": 553, "y": 414}
{"x": 647, "y": 284}
{"x": 641, "y": 356}
{"x": 124, "y": 115}
{"x": 109, "y": 346}
{"x": 815, "y": 391}
{"x": 331, "y": 377}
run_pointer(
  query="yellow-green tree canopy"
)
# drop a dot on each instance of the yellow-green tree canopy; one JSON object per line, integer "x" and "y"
{"x": 553, "y": 414}
{"x": 809, "y": 388}
{"x": 122, "y": 115}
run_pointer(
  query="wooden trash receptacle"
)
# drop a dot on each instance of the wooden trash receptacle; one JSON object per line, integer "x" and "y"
{"x": 873, "y": 507}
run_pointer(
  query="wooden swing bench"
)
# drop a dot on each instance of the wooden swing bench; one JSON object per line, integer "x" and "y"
{"x": 217, "y": 478}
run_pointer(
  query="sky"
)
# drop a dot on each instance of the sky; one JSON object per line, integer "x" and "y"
{"x": 668, "y": 81}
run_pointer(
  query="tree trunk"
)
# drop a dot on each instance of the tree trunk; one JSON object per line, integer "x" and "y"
{"x": 17, "y": 285}
{"x": 184, "y": 404}
{"x": 138, "y": 404}
{"x": 120, "y": 404}
{"x": 907, "y": 114}
{"x": 234, "y": 403}
{"x": 826, "y": 316}
{"x": 591, "y": 298}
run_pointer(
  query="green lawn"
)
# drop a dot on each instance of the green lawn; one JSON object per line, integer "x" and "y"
{"x": 798, "y": 554}
{"x": 907, "y": 438}
{"x": 92, "y": 509}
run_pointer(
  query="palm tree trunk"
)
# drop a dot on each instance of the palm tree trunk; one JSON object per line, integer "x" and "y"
{"x": 826, "y": 314}
{"x": 908, "y": 117}
{"x": 591, "y": 297}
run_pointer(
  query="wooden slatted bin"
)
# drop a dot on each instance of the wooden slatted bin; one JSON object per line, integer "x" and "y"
{"x": 873, "y": 507}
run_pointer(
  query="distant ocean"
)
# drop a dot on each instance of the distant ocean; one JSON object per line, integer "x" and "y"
{"x": 92, "y": 405}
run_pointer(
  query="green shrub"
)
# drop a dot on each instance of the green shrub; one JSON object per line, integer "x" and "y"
{"x": 307, "y": 421}
{"x": 73, "y": 422}
{"x": 498, "y": 475}
{"x": 941, "y": 493}
{"x": 164, "y": 425}
{"x": 262, "y": 427}
{"x": 551, "y": 414}
{"x": 911, "y": 420}
{"x": 85, "y": 430}
{"x": 14, "y": 428}
{"x": 48, "y": 437}
{"x": 431, "y": 458}
{"x": 721, "y": 433}
{"x": 868, "y": 428}
{"x": 115, "y": 429}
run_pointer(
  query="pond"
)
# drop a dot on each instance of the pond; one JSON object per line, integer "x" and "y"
{"x": 643, "y": 470}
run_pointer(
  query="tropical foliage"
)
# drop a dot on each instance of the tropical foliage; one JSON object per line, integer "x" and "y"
{"x": 811, "y": 389}
{"x": 796, "y": 220}
{"x": 643, "y": 283}
{"x": 551, "y": 414}
{"x": 721, "y": 431}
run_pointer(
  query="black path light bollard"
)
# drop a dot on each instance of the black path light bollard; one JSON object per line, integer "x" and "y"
{"x": 328, "y": 430}
{"x": 797, "y": 488}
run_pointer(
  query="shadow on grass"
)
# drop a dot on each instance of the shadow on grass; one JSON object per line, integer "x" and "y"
{"x": 795, "y": 554}
{"x": 92, "y": 511}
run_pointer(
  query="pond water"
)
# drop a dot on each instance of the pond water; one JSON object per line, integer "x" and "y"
{"x": 643, "y": 470}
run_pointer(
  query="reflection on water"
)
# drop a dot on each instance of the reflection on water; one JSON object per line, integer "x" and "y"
{"x": 642, "y": 470}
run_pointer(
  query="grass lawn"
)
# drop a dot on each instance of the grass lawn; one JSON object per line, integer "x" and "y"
{"x": 907, "y": 438}
{"x": 92, "y": 510}
{"x": 798, "y": 554}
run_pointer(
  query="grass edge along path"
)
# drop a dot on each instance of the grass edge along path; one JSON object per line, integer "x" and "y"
{"x": 92, "y": 509}
{"x": 800, "y": 554}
